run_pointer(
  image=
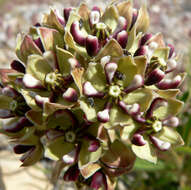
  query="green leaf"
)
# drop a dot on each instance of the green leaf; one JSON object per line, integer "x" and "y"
{"x": 145, "y": 152}
{"x": 148, "y": 166}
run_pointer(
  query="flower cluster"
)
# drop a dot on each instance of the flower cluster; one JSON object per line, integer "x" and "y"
{"x": 92, "y": 90}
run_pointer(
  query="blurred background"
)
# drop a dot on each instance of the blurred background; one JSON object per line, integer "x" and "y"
{"x": 173, "y": 171}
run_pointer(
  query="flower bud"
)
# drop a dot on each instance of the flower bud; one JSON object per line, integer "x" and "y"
{"x": 10, "y": 92}
{"x": 70, "y": 95}
{"x": 138, "y": 140}
{"x": 92, "y": 45}
{"x": 30, "y": 82}
{"x": 78, "y": 36}
{"x": 72, "y": 173}
{"x": 20, "y": 148}
{"x": 98, "y": 180}
{"x": 90, "y": 91}
{"x": 136, "y": 83}
{"x": 161, "y": 145}
{"x": 110, "y": 69}
{"x": 16, "y": 126}
{"x": 171, "y": 50}
{"x": 38, "y": 42}
{"x": 142, "y": 50}
{"x": 18, "y": 66}
{"x": 171, "y": 121}
{"x": 4, "y": 114}
{"x": 67, "y": 13}
{"x": 169, "y": 83}
{"x": 122, "y": 38}
{"x": 154, "y": 77}
{"x": 145, "y": 39}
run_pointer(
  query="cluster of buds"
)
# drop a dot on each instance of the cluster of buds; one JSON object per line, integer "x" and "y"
{"x": 92, "y": 90}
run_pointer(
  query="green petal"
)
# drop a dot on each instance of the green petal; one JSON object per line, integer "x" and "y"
{"x": 58, "y": 148}
{"x": 173, "y": 108}
{"x": 170, "y": 135}
{"x": 29, "y": 98}
{"x": 171, "y": 93}
{"x": 32, "y": 116}
{"x": 143, "y": 20}
{"x": 91, "y": 111}
{"x": 5, "y": 102}
{"x": 83, "y": 11}
{"x": 26, "y": 47}
{"x": 96, "y": 75}
{"x": 86, "y": 157}
{"x": 145, "y": 152}
{"x": 131, "y": 38}
{"x": 134, "y": 40}
{"x": 119, "y": 157}
{"x": 125, "y": 9}
{"x": 141, "y": 62}
{"x": 158, "y": 38}
{"x": 50, "y": 38}
{"x": 112, "y": 48}
{"x": 162, "y": 53}
{"x": 63, "y": 56}
{"x": 52, "y": 21}
{"x": 127, "y": 66}
{"x": 110, "y": 17}
{"x": 143, "y": 97}
{"x": 117, "y": 117}
{"x": 38, "y": 67}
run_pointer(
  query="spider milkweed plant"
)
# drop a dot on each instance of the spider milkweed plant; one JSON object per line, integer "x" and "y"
{"x": 93, "y": 89}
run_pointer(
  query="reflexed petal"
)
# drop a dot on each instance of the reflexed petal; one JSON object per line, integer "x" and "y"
{"x": 145, "y": 152}
{"x": 89, "y": 170}
{"x": 90, "y": 91}
{"x": 70, "y": 95}
{"x": 161, "y": 145}
{"x": 110, "y": 69}
{"x": 30, "y": 82}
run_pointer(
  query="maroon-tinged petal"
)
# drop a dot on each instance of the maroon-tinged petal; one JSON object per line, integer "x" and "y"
{"x": 122, "y": 38}
{"x": 135, "y": 84}
{"x": 90, "y": 91}
{"x": 110, "y": 69}
{"x": 154, "y": 77}
{"x": 72, "y": 173}
{"x": 139, "y": 118}
{"x": 17, "y": 125}
{"x": 87, "y": 122}
{"x": 70, "y": 95}
{"x": 4, "y": 114}
{"x": 93, "y": 145}
{"x": 171, "y": 121}
{"x": 20, "y": 149}
{"x": 94, "y": 17}
{"x": 134, "y": 18}
{"x": 156, "y": 103}
{"x": 11, "y": 92}
{"x": 67, "y": 13}
{"x": 138, "y": 140}
{"x": 41, "y": 100}
{"x": 98, "y": 180}
{"x": 161, "y": 145}
{"x": 74, "y": 63}
{"x": 103, "y": 116}
{"x": 169, "y": 83}
{"x": 171, "y": 50}
{"x": 171, "y": 65}
{"x": 92, "y": 45}
{"x": 130, "y": 109}
{"x": 145, "y": 38}
{"x": 122, "y": 25}
{"x": 71, "y": 157}
{"x": 95, "y": 8}
{"x": 77, "y": 34}
{"x": 30, "y": 82}
{"x": 53, "y": 134}
{"x": 142, "y": 50}
{"x": 37, "y": 24}
{"x": 38, "y": 42}
{"x": 105, "y": 60}
{"x": 18, "y": 66}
